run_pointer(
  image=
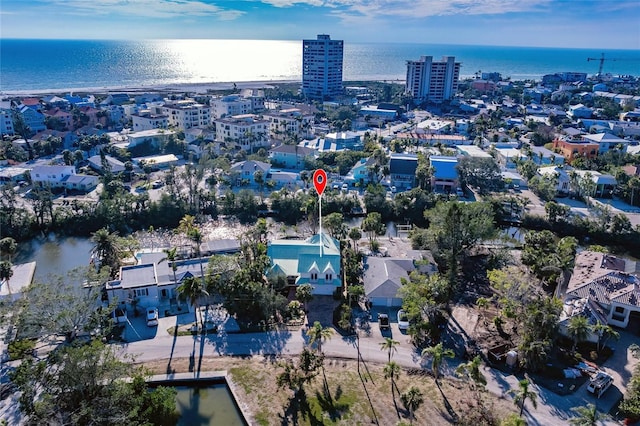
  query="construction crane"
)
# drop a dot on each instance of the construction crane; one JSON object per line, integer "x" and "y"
{"x": 601, "y": 59}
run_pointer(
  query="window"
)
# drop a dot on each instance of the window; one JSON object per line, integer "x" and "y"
{"x": 328, "y": 277}
{"x": 314, "y": 276}
{"x": 142, "y": 292}
{"x": 619, "y": 310}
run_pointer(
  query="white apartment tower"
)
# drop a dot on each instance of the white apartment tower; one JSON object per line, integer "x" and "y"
{"x": 322, "y": 67}
{"x": 432, "y": 81}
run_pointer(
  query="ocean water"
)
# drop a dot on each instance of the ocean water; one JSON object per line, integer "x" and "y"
{"x": 67, "y": 64}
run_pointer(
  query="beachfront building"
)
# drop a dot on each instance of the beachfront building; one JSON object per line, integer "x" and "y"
{"x": 322, "y": 67}
{"x": 290, "y": 123}
{"x": 432, "y": 81}
{"x": 247, "y": 130}
{"x": 314, "y": 261}
{"x": 186, "y": 114}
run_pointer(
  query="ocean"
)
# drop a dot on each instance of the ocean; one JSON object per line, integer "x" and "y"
{"x": 74, "y": 64}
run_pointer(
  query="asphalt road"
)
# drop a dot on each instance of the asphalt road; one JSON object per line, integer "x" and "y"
{"x": 552, "y": 409}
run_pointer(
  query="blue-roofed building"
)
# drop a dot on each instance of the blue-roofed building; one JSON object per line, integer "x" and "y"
{"x": 314, "y": 261}
{"x": 402, "y": 170}
{"x": 445, "y": 173}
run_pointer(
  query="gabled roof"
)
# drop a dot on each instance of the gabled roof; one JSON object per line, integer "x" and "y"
{"x": 612, "y": 287}
{"x": 251, "y": 165}
{"x": 292, "y": 149}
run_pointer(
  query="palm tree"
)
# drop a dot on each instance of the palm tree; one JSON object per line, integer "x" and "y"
{"x": 187, "y": 225}
{"x": 355, "y": 234}
{"x": 6, "y": 272}
{"x": 392, "y": 371}
{"x": 471, "y": 370}
{"x": 192, "y": 290}
{"x": 318, "y": 334}
{"x": 412, "y": 400}
{"x": 523, "y": 393}
{"x": 106, "y": 249}
{"x": 578, "y": 329}
{"x": 603, "y": 330}
{"x": 8, "y": 247}
{"x": 389, "y": 345}
{"x": 587, "y": 416}
{"x": 171, "y": 257}
{"x": 437, "y": 354}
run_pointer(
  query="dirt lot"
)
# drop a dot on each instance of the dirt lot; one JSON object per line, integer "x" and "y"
{"x": 353, "y": 399}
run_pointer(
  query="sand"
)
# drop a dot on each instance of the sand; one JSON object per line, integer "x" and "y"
{"x": 193, "y": 88}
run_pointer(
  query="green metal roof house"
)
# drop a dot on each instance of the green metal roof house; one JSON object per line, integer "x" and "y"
{"x": 314, "y": 261}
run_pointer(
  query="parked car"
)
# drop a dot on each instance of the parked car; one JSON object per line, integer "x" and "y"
{"x": 157, "y": 184}
{"x": 459, "y": 192}
{"x": 600, "y": 383}
{"x": 152, "y": 317}
{"x": 403, "y": 320}
{"x": 383, "y": 321}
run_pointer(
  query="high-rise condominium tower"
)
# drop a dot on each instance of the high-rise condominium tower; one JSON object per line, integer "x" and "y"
{"x": 322, "y": 67}
{"x": 432, "y": 81}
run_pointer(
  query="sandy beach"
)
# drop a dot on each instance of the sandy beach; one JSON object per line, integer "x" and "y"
{"x": 192, "y": 88}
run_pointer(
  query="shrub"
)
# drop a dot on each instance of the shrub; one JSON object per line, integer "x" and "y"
{"x": 19, "y": 349}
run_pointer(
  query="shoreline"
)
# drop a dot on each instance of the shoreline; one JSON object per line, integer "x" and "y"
{"x": 193, "y": 88}
{"x": 197, "y": 88}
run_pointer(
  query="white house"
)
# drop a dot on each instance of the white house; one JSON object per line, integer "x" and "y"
{"x": 248, "y": 130}
{"x": 246, "y": 170}
{"x": 63, "y": 177}
{"x": 606, "y": 142}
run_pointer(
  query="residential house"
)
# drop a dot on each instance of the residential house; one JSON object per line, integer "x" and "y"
{"x": 507, "y": 158}
{"x": 32, "y": 118}
{"x": 363, "y": 173}
{"x": 609, "y": 284}
{"x": 154, "y": 137}
{"x": 291, "y": 156}
{"x": 560, "y": 173}
{"x": 543, "y": 156}
{"x": 68, "y": 138}
{"x": 61, "y": 115}
{"x": 402, "y": 170}
{"x": 472, "y": 151}
{"x": 605, "y": 184}
{"x": 13, "y": 175}
{"x": 152, "y": 283}
{"x": 246, "y": 170}
{"x": 115, "y": 165}
{"x": 314, "y": 261}
{"x": 156, "y": 162}
{"x": 606, "y": 142}
{"x": 571, "y": 150}
{"x": 53, "y": 102}
{"x": 63, "y": 177}
{"x": 422, "y": 138}
{"x": 383, "y": 276}
{"x": 579, "y": 111}
{"x": 116, "y": 99}
{"x": 445, "y": 173}
{"x": 345, "y": 140}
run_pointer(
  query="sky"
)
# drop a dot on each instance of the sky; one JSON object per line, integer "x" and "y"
{"x": 612, "y": 24}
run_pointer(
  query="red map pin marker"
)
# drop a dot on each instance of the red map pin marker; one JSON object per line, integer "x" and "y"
{"x": 319, "y": 181}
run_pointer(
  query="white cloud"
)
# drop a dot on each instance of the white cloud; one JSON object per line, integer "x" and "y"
{"x": 144, "y": 8}
{"x": 418, "y": 8}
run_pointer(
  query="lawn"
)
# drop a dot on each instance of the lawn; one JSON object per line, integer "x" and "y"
{"x": 349, "y": 397}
